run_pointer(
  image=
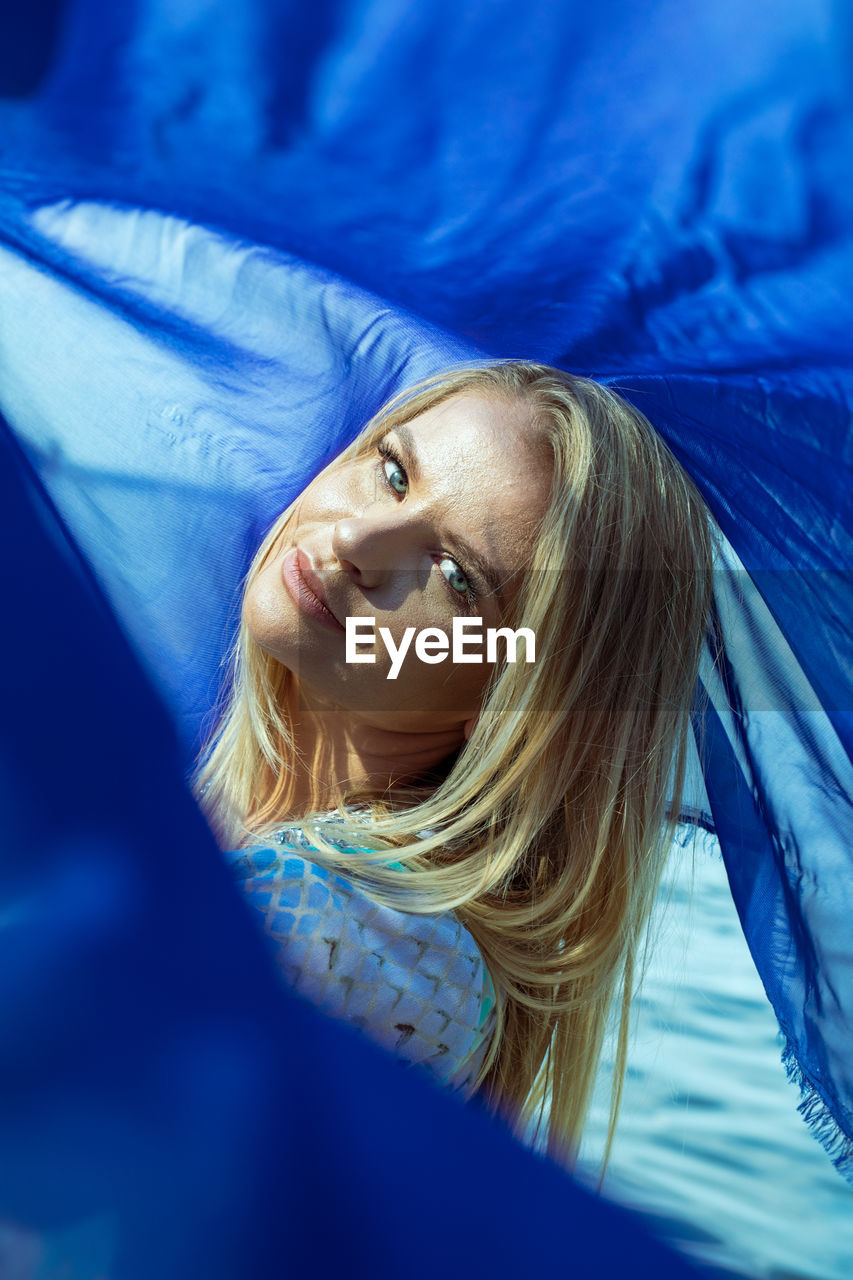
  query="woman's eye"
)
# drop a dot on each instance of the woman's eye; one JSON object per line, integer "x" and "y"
{"x": 456, "y": 577}
{"x": 395, "y": 476}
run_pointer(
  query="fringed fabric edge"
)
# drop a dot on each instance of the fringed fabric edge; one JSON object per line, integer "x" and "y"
{"x": 819, "y": 1115}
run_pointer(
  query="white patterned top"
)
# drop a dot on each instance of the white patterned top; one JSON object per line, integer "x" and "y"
{"x": 415, "y": 984}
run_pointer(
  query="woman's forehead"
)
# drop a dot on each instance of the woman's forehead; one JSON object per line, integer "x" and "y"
{"x": 478, "y": 412}
{"x": 488, "y": 458}
{"x": 485, "y": 433}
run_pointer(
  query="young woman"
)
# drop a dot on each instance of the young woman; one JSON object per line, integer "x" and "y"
{"x": 461, "y": 856}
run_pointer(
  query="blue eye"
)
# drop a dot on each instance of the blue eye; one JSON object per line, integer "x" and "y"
{"x": 457, "y": 579}
{"x": 392, "y": 469}
{"x": 393, "y": 474}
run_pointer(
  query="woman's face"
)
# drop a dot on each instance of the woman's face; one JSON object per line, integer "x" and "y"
{"x": 434, "y": 524}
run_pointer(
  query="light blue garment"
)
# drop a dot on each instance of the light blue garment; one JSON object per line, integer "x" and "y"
{"x": 416, "y": 984}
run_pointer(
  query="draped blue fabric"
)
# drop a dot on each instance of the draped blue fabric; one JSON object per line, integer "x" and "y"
{"x": 228, "y": 231}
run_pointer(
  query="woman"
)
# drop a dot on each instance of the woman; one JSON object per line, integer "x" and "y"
{"x": 528, "y": 806}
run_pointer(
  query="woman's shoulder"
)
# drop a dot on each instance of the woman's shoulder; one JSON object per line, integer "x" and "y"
{"x": 417, "y": 983}
{"x": 290, "y": 851}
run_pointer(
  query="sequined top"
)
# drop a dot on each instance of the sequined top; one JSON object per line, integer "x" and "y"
{"x": 415, "y": 984}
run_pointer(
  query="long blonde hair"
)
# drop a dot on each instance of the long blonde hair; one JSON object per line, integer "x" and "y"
{"x": 552, "y": 823}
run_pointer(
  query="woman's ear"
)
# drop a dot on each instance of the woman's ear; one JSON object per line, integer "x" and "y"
{"x": 468, "y": 727}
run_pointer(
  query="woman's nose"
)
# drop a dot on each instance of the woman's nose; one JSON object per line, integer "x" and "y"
{"x": 373, "y": 546}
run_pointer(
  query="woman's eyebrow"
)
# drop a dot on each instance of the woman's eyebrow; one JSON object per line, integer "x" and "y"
{"x": 410, "y": 453}
{"x": 488, "y": 574}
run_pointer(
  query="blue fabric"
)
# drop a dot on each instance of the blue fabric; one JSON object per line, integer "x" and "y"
{"x": 229, "y": 231}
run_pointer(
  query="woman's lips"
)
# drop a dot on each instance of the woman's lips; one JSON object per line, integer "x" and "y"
{"x": 305, "y": 588}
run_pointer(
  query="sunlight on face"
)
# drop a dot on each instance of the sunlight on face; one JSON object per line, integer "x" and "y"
{"x": 435, "y": 523}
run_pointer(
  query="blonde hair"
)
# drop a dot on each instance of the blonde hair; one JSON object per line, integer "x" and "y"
{"x": 552, "y": 823}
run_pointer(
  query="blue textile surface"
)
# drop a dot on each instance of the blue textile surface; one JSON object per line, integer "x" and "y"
{"x": 228, "y": 231}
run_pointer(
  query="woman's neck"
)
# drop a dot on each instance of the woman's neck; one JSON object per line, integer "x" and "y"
{"x": 335, "y": 755}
